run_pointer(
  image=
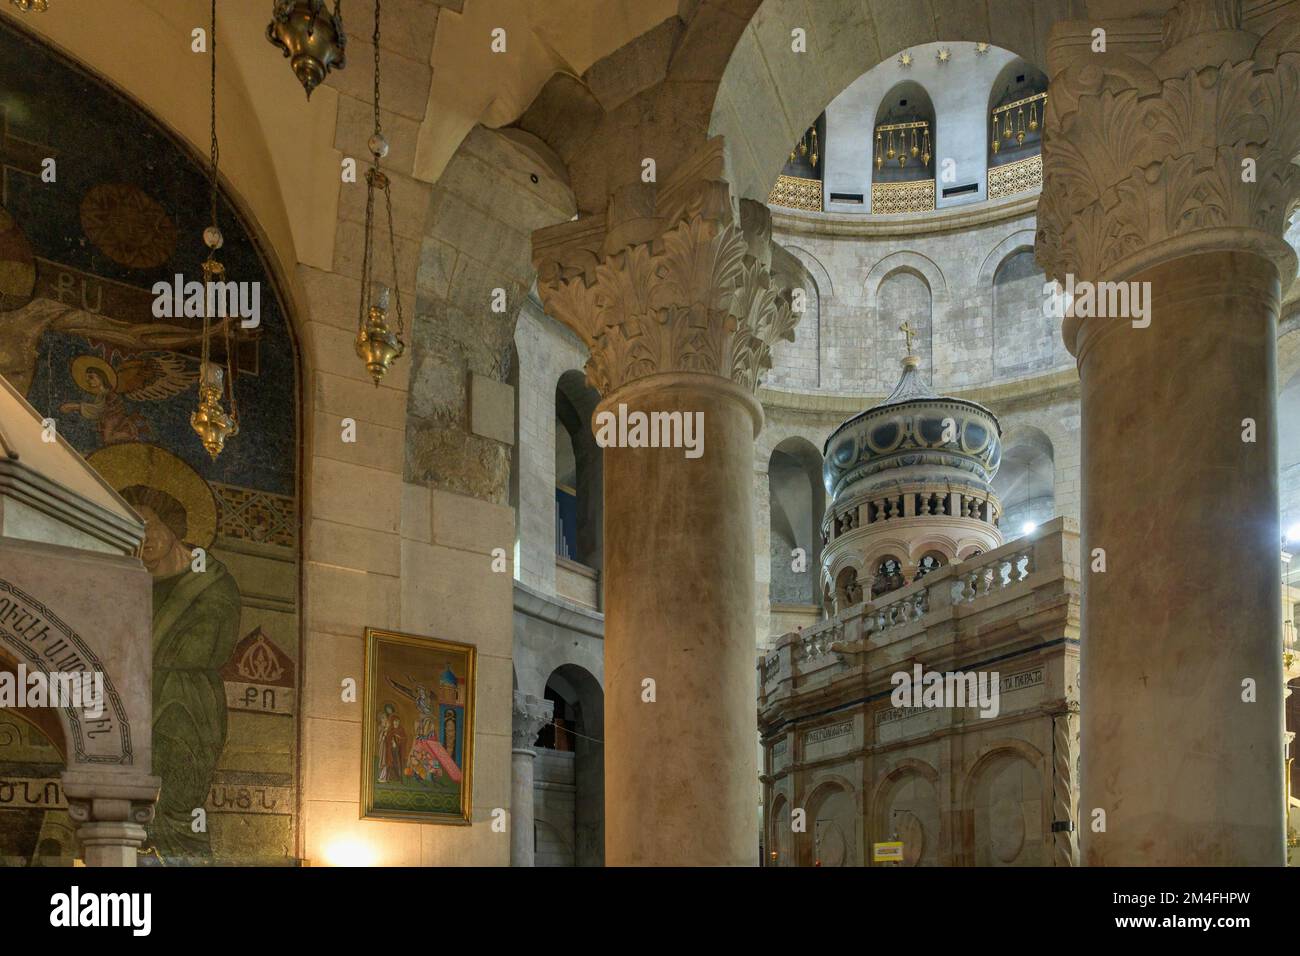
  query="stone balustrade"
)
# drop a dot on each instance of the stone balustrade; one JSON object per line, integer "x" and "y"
{"x": 1046, "y": 561}
{"x": 923, "y": 500}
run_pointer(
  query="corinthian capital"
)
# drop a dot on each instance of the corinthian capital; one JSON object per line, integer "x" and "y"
{"x": 686, "y": 288}
{"x": 1151, "y": 153}
{"x": 528, "y": 716}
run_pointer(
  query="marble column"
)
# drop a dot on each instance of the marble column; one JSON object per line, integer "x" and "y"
{"x": 1167, "y": 168}
{"x": 528, "y": 717}
{"x": 673, "y": 293}
{"x": 111, "y": 811}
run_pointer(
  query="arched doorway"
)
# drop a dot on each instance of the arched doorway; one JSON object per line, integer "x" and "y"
{"x": 569, "y": 772}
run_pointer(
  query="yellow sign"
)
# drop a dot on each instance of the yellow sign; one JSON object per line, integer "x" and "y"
{"x": 887, "y": 852}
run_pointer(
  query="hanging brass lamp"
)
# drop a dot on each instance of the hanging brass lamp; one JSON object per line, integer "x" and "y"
{"x": 210, "y": 420}
{"x": 378, "y": 345}
{"x": 311, "y": 37}
{"x": 31, "y": 6}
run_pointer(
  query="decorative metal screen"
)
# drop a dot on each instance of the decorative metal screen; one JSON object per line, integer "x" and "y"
{"x": 1018, "y": 177}
{"x": 795, "y": 193}
{"x": 915, "y": 196}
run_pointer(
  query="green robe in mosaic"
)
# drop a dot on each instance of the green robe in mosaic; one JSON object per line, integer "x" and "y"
{"x": 195, "y": 629}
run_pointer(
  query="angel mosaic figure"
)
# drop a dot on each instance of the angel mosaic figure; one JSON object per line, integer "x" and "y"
{"x": 151, "y": 377}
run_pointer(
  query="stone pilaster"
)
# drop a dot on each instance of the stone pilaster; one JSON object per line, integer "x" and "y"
{"x": 671, "y": 289}
{"x": 1167, "y": 167}
{"x": 528, "y": 717}
{"x": 111, "y": 811}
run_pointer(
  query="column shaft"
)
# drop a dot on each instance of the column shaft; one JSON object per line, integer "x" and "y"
{"x": 1188, "y": 606}
{"x": 680, "y": 771}
{"x": 521, "y": 808}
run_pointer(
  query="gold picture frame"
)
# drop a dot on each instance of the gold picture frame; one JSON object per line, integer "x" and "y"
{"x": 417, "y": 743}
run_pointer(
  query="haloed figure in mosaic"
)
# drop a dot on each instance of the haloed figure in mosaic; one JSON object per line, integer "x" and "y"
{"x": 195, "y": 629}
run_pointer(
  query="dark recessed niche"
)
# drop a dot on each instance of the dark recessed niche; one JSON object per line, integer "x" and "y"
{"x": 847, "y": 197}
{"x": 960, "y": 190}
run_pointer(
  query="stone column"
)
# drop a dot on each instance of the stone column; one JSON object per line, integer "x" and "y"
{"x": 675, "y": 299}
{"x": 111, "y": 811}
{"x": 529, "y": 716}
{"x": 1167, "y": 167}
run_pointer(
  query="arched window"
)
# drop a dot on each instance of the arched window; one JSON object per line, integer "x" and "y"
{"x": 904, "y": 297}
{"x": 800, "y": 184}
{"x": 797, "y": 499}
{"x": 848, "y": 591}
{"x": 1025, "y": 340}
{"x": 888, "y": 576}
{"x": 1017, "y": 101}
{"x": 1024, "y": 482}
{"x": 569, "y": 774}
{"x": 579, "y": 496}
{"x": 930, "y": 561}
{"x": 903, "y": 151}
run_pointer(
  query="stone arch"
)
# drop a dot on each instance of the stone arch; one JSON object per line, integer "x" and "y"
{"x": 797, "y": 363}
{"x": 575, "y": 404}
{"x": 848, "y": 588}
{"x": 944, "y": 544}
{"x": 572, "y": 749}
{"x": 1006, "y": 806}
{"x": 1025, "y": 339}
{"x": 914, "y": 784}
{"x": 882, "y": 548}
{"x": 904, "y": 285}
{"x": 814, "y": 265}
{"x": 468, "y": 250}
{"x": 905, "y": 261}
{"x": 1026, "y": 479}
{"x": 907, "y": 100}
{"x": 780, "y": 839}
{"x": 1006, "y": 88}
{"x": 834, "y": 814}
{"x": 797, "y": 499}
{"x": 553, "y": 843}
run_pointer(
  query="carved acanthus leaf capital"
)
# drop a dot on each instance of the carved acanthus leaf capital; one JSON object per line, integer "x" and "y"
{"x": 698, "y": 296}
{"x": 528, "y": 716}
{"x": 1140, "y": 166}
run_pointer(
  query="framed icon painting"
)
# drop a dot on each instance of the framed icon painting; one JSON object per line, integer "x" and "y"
{"x": 417, "y": 747}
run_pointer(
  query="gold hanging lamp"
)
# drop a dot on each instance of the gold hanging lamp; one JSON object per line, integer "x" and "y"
{"x": 997, "y": 142}
{"x": 377, "y": 345}
{"x": 311, "y": 37}
{"x": 814, "y": 148}
{"x": 31, "y": 6}
{"x": 210, "y": 420}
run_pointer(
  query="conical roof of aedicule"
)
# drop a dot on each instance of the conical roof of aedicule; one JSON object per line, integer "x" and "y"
{"x": 913, "y": 427}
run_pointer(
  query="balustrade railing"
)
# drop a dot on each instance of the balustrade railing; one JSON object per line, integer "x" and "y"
{"x": 914, "y": 196}
{"x": 794, "y": 192}
{"x": 1018, "y": 177}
